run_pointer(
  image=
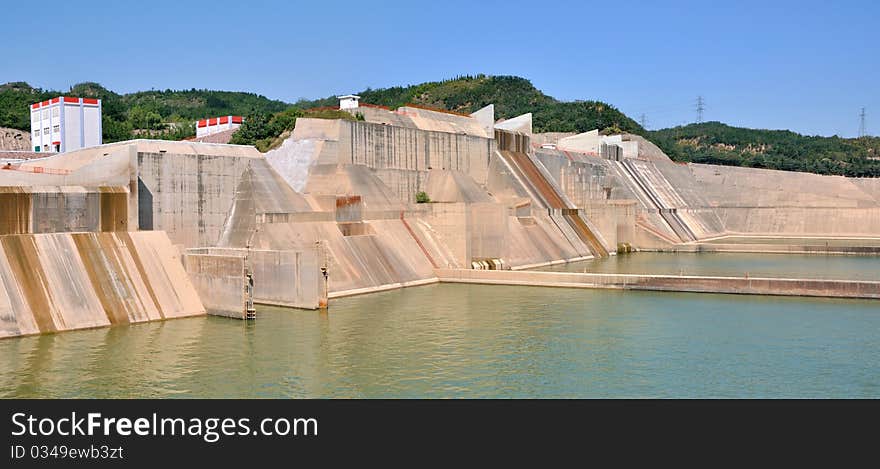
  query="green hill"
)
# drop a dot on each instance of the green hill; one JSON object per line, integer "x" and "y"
{"x": 511, "y": 96}
{"x": 148, "y": 111}
{"x": 717, "y": 143}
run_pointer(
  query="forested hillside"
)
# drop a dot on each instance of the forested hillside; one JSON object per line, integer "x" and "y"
{"x": 511, "y": 96}
{"x": 717, "y": 143}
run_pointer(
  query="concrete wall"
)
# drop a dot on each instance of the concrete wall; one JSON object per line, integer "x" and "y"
{"x": 283, "y": 278}
{"x": 187, "y": 195}
{"x": 615, "y": 219}
{"x": 219, "y": 281}
{"x": 62, "y": 209}
{"x": 388, "y": 149}
{"x": 696, "y": 284}
{"x": 760, "y": 201}
{"x": 489, "y": 231}
{"x": 65, "y": 281}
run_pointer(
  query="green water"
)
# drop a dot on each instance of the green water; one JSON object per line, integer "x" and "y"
{"x": 732, "y": 265}
{"x": 474, "y": 341}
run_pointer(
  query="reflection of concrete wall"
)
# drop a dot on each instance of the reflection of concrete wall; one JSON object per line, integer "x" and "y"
{"x": 65, "y": 281}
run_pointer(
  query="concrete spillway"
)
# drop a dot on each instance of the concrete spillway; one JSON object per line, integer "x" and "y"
{"x": 660, "y": 195}
{"x": 64, "y": 281}
{"x": 540, "y": 185}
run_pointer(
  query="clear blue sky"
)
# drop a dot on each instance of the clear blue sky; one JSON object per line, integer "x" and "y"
{"x": 808, "y": 66}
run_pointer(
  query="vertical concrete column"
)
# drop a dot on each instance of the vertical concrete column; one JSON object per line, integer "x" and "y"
{"x": 133, "y": 205}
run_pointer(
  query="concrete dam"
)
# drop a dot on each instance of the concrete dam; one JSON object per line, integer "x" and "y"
{"x": 149, "y": 230}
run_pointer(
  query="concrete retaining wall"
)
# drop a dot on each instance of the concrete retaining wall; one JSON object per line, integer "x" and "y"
{"x": 779, "y": 248}
{"x": 387, "y": 147}
{"x": 61, "y": 209}
{"x": 65, "y": 281}
{"x": 282, "y": 278}
{"x": 187, "y": 195}
{"x": 220, "y": 281}
{"x": 682, "y": 283}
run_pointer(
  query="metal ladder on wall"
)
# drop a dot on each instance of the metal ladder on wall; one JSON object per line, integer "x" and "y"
{"x": 250, "y": 313}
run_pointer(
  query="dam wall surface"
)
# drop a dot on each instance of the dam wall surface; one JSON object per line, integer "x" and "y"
{"x": 761, "y": 201}
{"x": 187, "y": 190}
{"x": 680, "y": 283}
{"x": 58, "y": 209}
{"x": 281, "y": 278}
{"x": 65, "y": 281}
{"x": 400, "y": 155}
{"x": 682, "y": 203}
{"x": 544, "y": 189}
{"x": 220, "y": 282}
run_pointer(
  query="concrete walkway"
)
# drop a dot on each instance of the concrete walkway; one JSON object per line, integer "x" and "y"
{"x": 681, "y": 283}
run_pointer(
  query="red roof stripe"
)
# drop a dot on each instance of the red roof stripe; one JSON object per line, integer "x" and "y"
{"x": 236, "y": 119}
{"x": 35, "y": 106}
{"x": 45, "y": 103}
{"x": 224, "y": 120}
{"x": 212, "y": 121}
{"x": 69, "y": 100}
{"x": 90, "y": 101}
{"x": 55, "y": 100}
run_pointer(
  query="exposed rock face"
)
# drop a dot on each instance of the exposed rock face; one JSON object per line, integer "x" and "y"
{"x": 13, "y": 139}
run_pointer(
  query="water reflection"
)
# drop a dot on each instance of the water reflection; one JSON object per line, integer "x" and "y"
{"x": 473, "y": 341}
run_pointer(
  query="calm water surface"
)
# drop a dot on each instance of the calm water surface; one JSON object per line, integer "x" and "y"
{"x": 474, "y": 341}
{"x": 732, "y": 264}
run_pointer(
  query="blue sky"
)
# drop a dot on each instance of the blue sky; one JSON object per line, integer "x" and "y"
{"x": 808, "y": 66}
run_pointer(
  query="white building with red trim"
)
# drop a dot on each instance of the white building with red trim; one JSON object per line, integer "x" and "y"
{"x": 65, "y": 124}
{"x": 213, "y": 125}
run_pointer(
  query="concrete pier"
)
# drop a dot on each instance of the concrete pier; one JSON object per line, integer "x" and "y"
{"x": 680, "y": 283}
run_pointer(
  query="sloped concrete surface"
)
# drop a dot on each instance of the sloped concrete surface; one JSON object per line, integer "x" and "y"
{"x": 64, "y": 281}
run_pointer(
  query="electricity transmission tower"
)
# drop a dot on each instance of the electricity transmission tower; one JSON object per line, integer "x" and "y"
{"x": 701, "y": 106}
{"x": 643, "y": 120}
{"x": 862, "y": 131}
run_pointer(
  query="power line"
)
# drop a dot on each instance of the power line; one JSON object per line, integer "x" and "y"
{"x": 701, "y": 106}
{"x": 862, "y": 131}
